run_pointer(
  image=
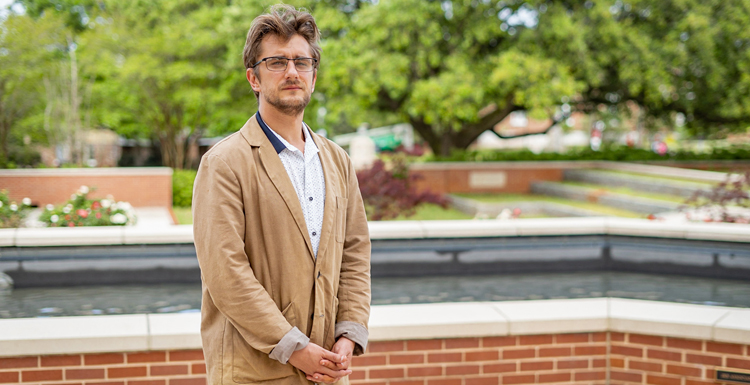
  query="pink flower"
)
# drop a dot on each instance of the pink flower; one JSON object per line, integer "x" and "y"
{"x": 71, "y": 224}
{"x": 82, "y": 213}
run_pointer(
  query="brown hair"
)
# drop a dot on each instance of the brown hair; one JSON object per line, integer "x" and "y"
{"x": 284, "y": 21}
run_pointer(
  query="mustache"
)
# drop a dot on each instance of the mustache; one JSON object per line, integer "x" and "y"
{"x": 291, "y": 84}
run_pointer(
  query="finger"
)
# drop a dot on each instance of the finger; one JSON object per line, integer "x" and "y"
{"x": 331, "y": 356}
{"x": 330, "y": 365}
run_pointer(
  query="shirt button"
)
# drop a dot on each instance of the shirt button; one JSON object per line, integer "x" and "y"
{"x": 311, "y": 198}
{"x": 314, "y": 233}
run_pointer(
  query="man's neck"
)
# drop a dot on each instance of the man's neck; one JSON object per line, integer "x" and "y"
{"x": 288, "y": 127}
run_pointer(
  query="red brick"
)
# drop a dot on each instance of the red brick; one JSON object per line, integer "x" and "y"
{"x": 684, "y": 370}
{"x": 720, "y": 347}
{"x": 424, "y": 345}
{"x": 499, "y": 368}
{"x": 662, "y": 380}
{"x": 616, "y": 336}
{"x": 625, "y": 376}
{"x": 487, "y": 355}
{"x": 461, "y": 370}
{"x": 572, "y": 364}
{"x": 9, "y": 377}
{"x": 703, "y": 359}
{"x": 62, "y": 383}
{"x": 19, "y": 362}
{"x": 664, "y": 355}
{"x": 499, "y": 341}
{"x": 518, "y": 353}
{"x": 590, "y": 376}
{"x": 126, "y": 372}
{"x": 646, "y": 340}
{"x": 357, "y": 375}
{"x": 71, "y": 360}
{"x": 103, "y": 359}
{"x": 444, "y": 381}
{"x": 187, "y": 381}
{"x": 599, "y": 363}
{"x": 368, "y": 360}
{"x": 681, "y": 343}
{"x": 147, "y": 357}
{"x": 106, "y": 383}
{"x": 536, "y": 365}
{"x": 645, "y": 366}
{"x": 518, "y": 379}
{"x": 444, "y": 357}
{"x": 425, "y": 371}
{"x": 146, "y": 382}
{"x": 617, "y": 362}
{"x": 599, "y": 337}
{"x": 555, "y": 352}
{"x": 395, "y": 359}
{"x": 697, "y": 382}
{"x": 198, "y": 369}
{"x": 571, "y": 338}
{"x": 83, "y": 374}
{"x": 738, "y": 363}
{"x": 166, "y": 370}
{"x": 554, "y": 377}
{"x": 459, "y": 343}
{"x": 385, "y": 346}
{"x": 371, "y": 383}
{"x": 41, "y": 375}
{"x": 186, "y": 355}
{"x": 406, "y": 382}
{"x": 486, "y": 380}
{"x": 626, "y": 351}
{"x": 536, "y": 339}
{"x": 590, "y": 350}
{"x": 387, "y": 373}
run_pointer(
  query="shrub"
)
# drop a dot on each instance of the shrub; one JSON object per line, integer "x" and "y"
{"x": 11, "y": 213}
{"x": 82, "y": 211}
{"x": 726, "y": 202}
{"x": 182, "y": 187}
{"x": 389, "y": 191}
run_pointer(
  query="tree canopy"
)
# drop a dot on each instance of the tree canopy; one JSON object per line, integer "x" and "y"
{"x": 172, "y": 70}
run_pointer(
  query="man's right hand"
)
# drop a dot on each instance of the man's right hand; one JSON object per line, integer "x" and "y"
{"x": 309, "y": 358}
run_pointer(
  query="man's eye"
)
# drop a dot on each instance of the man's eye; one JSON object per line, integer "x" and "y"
{"x": 277, "y": 63}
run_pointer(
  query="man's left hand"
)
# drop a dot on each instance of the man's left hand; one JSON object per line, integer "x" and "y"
{"x": 343, "y": 347}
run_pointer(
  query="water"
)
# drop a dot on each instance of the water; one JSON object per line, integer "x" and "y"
{"x": 176, "y": 298}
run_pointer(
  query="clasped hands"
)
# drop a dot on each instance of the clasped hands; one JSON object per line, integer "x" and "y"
{"x": 321, "y": 365}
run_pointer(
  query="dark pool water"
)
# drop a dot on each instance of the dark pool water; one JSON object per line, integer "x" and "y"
{"x": 176, "y": 298}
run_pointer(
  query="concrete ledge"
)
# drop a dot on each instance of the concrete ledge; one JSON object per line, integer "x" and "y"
{"x": 101, "y": 171}
{"x": 66, "y": 335}
{"x": 183, "y": 234}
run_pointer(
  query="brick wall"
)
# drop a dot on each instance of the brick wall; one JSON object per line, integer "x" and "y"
{"x": 140, "y": 187}
{"x": 585, "y": 358}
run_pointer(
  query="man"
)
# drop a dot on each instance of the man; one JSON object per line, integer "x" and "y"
{"x": 280, "y": 228}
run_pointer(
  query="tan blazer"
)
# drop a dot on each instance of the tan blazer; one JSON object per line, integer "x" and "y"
{"x": 259, "y": 275}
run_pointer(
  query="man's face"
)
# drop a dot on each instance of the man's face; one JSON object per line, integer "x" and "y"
{"x": 287, "y": 91}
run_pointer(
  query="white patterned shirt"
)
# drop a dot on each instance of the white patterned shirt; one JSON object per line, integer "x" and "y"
{"x": 306, "y": 173}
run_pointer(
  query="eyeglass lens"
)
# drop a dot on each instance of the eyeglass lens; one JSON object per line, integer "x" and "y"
{"x": 280, "y": 63}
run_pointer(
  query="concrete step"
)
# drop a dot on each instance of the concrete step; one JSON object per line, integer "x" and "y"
{"x": 651, "y": 185}
{"x": 492, "y": 210}
{"x": 620, "y": 201}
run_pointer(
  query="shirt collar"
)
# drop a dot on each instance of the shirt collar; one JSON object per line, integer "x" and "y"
{"x": 279, "y": 144}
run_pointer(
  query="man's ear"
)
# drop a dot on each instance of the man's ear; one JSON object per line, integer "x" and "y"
{"x": 252, "y": 79}
{"x": 315, "y": 77}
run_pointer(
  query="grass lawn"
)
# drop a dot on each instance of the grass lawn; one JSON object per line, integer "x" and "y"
{"x": 510, "y": 198}
{"x": 424, "y": 213}
{"x": 657, "y": 178}
{"x": 184, "y": 215}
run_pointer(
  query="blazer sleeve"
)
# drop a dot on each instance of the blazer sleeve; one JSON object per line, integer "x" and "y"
{"x": 354, "y": 283}
{"x": 219, "y": 235}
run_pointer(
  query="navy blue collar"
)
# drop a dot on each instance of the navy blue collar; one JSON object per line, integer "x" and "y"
{"x": 277, "y": 145}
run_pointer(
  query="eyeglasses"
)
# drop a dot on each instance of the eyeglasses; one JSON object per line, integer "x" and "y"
{"x": 278, "y": 64}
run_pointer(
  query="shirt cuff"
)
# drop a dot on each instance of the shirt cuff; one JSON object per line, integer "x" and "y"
{"x": 292, "y": 341}
{"x": 355, "y": 332}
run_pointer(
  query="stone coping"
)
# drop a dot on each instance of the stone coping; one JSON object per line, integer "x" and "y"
{"x": 99, "y": 171}
{"x": 142, "y": 332}
{"x": 182, "y": 234}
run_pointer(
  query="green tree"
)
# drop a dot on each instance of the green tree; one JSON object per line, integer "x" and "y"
{"x": 454, "y": 69}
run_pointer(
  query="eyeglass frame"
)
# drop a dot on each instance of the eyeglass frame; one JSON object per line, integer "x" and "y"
{"x": 315, "y": 62}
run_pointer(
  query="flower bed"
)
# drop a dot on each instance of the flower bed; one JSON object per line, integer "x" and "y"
{"x": 80, "y": 210}
{"x": 11, "y": 213}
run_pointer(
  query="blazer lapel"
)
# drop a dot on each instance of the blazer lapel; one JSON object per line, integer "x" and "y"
{"x": 275, "y": 170}
{"x": 329, "y": 213}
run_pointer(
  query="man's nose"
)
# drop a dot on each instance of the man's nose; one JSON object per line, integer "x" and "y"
{"x": 291, "y": 69}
